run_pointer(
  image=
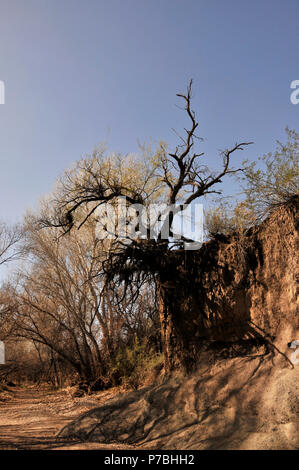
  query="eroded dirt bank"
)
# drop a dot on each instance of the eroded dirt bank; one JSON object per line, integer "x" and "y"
{"x": 237, "y": 287}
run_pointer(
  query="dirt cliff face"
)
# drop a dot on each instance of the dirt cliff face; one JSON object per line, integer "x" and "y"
{"x": 255, "y": 277}
{"x": 235, "y": 290}
{"x": 272, "y": 294}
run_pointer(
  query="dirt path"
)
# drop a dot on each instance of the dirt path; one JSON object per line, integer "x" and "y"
{"x": 30, "y": 419}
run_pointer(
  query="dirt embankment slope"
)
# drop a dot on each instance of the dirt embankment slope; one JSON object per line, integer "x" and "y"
{"x": 241, "y": 290}
{"x": 240, "y": 403}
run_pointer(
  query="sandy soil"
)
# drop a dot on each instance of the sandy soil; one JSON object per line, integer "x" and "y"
{"x": 30, "y": 419}
{"x": 241, "y": 403}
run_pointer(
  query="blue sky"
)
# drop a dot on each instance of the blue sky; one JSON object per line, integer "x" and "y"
{"x": 80, "y": 72}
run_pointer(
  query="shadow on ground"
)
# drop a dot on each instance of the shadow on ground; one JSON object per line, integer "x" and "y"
{"x": 240, "y": 403}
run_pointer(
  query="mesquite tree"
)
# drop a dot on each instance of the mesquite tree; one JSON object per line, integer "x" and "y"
{"x": 174, "y": 178}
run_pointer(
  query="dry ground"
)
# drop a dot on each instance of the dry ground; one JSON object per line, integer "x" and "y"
{"x": 240, "y": 403}
{"x": 30, "y": 419}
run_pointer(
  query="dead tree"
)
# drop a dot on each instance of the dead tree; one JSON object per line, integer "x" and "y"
{"x": 182, "y": 177}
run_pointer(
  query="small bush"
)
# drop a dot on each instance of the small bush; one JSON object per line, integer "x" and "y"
{"x": 274, "y": 179}
{"x": 132, "y": 365}
{"x": 226, "y": 220}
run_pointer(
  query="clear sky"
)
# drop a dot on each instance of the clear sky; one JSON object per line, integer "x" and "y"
{"x": 79, "y": 72}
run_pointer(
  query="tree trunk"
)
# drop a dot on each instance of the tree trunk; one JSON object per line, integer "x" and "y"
{"x": 177, "y": 327}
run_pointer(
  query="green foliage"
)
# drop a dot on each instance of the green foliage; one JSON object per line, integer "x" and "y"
{"x": 226, "y": 219}
{"x": 132, "y": 364}
{"x": 274, "y": 178}
{"x": 270, "y": 181}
